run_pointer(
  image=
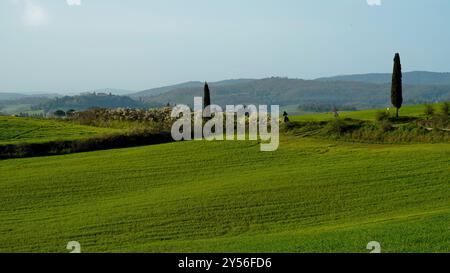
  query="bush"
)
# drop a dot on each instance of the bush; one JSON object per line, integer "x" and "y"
{"x": 155, "y": 120}
{"x": 429, "y": 110}
{"x": 440, "y": 121}
{"x": 59, "y": 113}
{"x": 385, "y": 125}
{"x": 339, "y": 126}
{"x": 381, "y": 116}
{"x": 369, "y": 132}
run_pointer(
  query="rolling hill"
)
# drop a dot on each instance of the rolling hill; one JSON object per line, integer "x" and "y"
{"x": 364, "y": 91}
{"x": 5, "y": 96}
{"x": 284, "y": 91}
{"x": 90, "y": 100}
{"x": 192, "y": 84}
{"x": 312, "y": 195}
{"x": 114, "y": 91}
{"x": 11, "y": 96}
{"x": 309, "y": 196}
{"x": 15, "y": 130}
{"x": 409, "y": 78}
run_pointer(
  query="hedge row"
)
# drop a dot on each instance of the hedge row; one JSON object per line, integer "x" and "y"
{"x": 82, "y": 145}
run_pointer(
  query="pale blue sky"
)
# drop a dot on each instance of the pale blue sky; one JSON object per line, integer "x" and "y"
{"x": 47, "y": 45}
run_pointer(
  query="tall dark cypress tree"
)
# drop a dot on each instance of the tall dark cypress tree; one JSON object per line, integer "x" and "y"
{"x": 206, "y": 96}
{"x": 397, "y": 89}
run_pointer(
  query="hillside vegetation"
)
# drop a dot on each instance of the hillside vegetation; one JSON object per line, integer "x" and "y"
{"x": 348, "y": 92}
{"x": 285, "y": 92}
{"x": 409, "y": 78}
{"x": 88, "y": 101}
{"x": 191, "y": 84}
{"x": 419, "y": 124}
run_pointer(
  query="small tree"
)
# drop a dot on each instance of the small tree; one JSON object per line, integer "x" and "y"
{"x": 59, "y": 113}
{"x": 207, "y": 96}
{"x": 397, "y": 88}
{"x": 335, "y": 111}
{"x": 441, "y": 118}
{"x": 286, "y": 117}
{"x": 381, "y": 116}
{"x": 382, "y": 119}
{"x": 429, "y": 111}
{"x": 70, "y": 112}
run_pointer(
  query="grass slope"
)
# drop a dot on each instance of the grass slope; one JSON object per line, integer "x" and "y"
{"x": 15, "y": 130}
{"x": 410, "y": 111}
{"x": 309, "y": 196}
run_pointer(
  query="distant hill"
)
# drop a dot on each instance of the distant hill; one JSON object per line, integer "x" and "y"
{"x": 347, "y": 92}
{"x": 4, "y": 96}
{"x": 411, "y": 78}
{"x": 191, "y": 84}
{"x": 114, "y": 91}
{"x": 11, "y": 96}
{"x": 284, "y": 91}
{"x": 90, "y": 100}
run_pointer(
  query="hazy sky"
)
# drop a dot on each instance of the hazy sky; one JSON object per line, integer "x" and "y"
{"x": 78, "y": 45}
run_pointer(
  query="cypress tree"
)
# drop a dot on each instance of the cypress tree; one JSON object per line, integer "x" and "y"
{"x": 206, "y": 98}
{"x": 397, "y": 89}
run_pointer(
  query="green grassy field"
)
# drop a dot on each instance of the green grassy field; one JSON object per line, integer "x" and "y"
{"x": 15, "y": 130}
{"x": 410, "y": 111}
{"x": 309, "y": 196}
{"x": 312, "y": 195}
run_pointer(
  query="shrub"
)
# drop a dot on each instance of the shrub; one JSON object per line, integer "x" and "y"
{"x": 339, "y": 126}
{"x": 155, "y": 120}
{"x": 381, "y": 116}
{"x": 440, "y": 120}
{"x": 429, "y": 110}
{"x": 59, "y": 113}
{"x": 383, "y": 122}
{"x": 385, "y": 125}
